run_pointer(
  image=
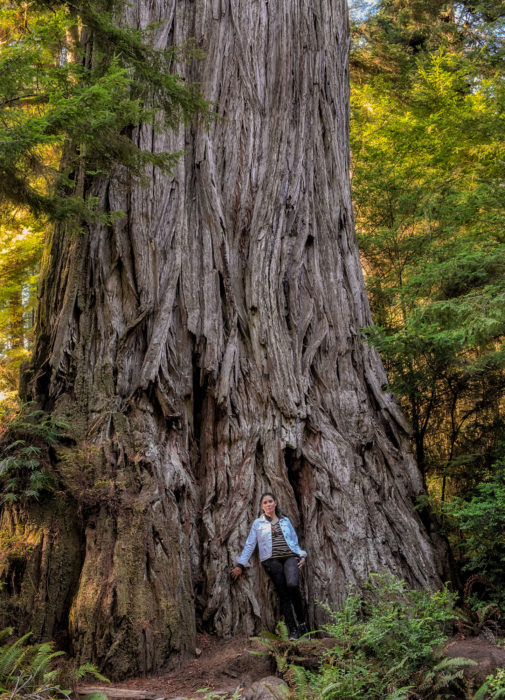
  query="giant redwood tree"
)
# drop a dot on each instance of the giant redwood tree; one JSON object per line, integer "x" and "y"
{"x": 205, "y": 347}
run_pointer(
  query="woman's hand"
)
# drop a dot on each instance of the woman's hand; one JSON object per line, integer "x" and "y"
{"x": 301, "y": 562}
{"x": 236, "y": 572}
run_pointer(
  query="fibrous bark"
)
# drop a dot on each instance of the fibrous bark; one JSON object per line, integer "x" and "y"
{"x": 207, "y": 347}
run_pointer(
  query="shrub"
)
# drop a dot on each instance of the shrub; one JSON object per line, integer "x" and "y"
{"x": 480, "y": 517}
{"x": 26, "y": 442}
{"x": 388, "y": 642}
{"x": 493, "y": 687}
{"x": 30, "y": 672}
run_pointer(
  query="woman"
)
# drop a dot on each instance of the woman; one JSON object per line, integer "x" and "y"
{"x": 281, "y": 557}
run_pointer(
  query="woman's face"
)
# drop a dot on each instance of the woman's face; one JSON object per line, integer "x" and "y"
{"x": 268, "y": 504}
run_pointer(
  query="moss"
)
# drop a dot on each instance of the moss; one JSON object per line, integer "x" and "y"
{"x": 132, "y": 595}
{"x": 16, "y": 546}
{"x": 39, "y": 569}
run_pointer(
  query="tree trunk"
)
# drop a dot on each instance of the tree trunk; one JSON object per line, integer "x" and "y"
{"x": 207, "y": 347}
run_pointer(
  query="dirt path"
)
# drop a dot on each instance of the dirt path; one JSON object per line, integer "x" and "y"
{"x": 223, "y": 666}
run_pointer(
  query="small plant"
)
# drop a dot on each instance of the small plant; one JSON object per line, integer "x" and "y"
{"x": 291, "y": 658}
{"x": 493, "y": 687}
{"x": 477, "y": 617}
{"x": 400, "y": 623}
{"x": 480, "y": 518}
{"x": 388, "y": 642}
{"x": 446, "y": 675}
{"x": 27, "y": 439}
{"x": 30, "y": 672}
{"x": 276, "y": 645}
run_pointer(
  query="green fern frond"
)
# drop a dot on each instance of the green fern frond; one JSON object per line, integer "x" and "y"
{"x": 482, "y": 692}
{"x": 91, "y": 670}
{"x": 42, "y": 659}
{"x": 29, "y": 450}
{"x": 11, "y": 657}
{"x": 15, "y": 444}
{"x": 400, "y": 693}
{"x": 282, "y": 631}
{"x": 10, "y": 497}
{"x": 299, "y": 680}
{"x": 456, "y": 662}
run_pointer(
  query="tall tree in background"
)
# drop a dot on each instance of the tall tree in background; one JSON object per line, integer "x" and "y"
{"x": 206, "y": 347}
{"x": 428, "y": 154}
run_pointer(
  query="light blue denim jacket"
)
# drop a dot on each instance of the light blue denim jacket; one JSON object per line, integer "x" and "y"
{"x": 261, "y": 535}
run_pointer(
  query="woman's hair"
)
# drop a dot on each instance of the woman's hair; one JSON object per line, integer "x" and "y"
{"x": 277, "y": 509}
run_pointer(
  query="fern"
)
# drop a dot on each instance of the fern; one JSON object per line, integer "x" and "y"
{"x": 299, "y": 683}
{"x": 23, "y": 472}
{"x": 399, "y": 693}
{"x": 85, "y": 669}
{"x": 493, "y": 688}
{"x": 12, "y": 656}
{"x": 275, "y": 644}
{"x": 28, "y": 671}
{"x": 443, "y": 676}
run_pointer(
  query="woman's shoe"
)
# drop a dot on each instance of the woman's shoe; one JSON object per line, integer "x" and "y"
{"x": 303, "y": 630}
{"x": 294, "y": 634}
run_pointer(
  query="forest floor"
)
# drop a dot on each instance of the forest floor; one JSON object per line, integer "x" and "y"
{"x": 223, "y": 666}
{"x": 227, "y": 664}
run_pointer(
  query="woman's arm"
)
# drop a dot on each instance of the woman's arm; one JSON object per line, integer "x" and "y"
{"x": 244, "y": 557}
{"x": 249, "y": 547}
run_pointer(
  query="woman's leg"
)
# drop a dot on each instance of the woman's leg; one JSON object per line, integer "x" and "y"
{"x": 275, "y": 569}
{"x": 291, "y": 575}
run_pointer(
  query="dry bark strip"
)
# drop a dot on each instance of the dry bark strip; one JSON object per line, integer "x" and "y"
{"x": 207, "y": 347}
{"x": 119, "y": 693}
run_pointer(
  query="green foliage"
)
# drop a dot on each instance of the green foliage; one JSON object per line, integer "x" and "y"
{"x": 21, "y": 239}
{"x": 73, "y": 78}
{"x": 480, "y": 518}
{"x": 27, "y": 439}
{"x": 30, "y": 671}
{"x": 275, "y": 644}
{"x": 400, "y": 623}
{"x": 427, "y": 140}
{"x": 493, "y": 688}
{"x": 447, "y": 675}
{"x": 388, "y": 644}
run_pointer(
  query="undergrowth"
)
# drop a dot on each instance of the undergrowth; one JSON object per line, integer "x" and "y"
{"x": 26, "y": 441}
{"x": 31, "y": 671}
{"x": 388, "y": 645}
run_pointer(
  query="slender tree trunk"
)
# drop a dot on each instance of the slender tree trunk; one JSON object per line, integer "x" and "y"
{"x": 17, "y": 330}
{"x": 207, "y": 347}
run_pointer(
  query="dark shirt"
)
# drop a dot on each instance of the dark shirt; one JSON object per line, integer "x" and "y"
{"x": 279, "y": 545}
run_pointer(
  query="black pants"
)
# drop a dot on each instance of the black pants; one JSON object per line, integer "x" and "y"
{"x": 284, "y": 573}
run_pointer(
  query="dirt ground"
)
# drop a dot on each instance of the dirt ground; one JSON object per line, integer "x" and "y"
{"x": 223, "y": 666}
{"x": 227, "y": 664}
{"x": 488, "y": 656}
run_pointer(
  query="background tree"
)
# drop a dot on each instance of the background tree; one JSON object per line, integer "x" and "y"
{"x": 427, "y": 145}
{"x": 432, "y": 246}
{"x": 206, "y": 346}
